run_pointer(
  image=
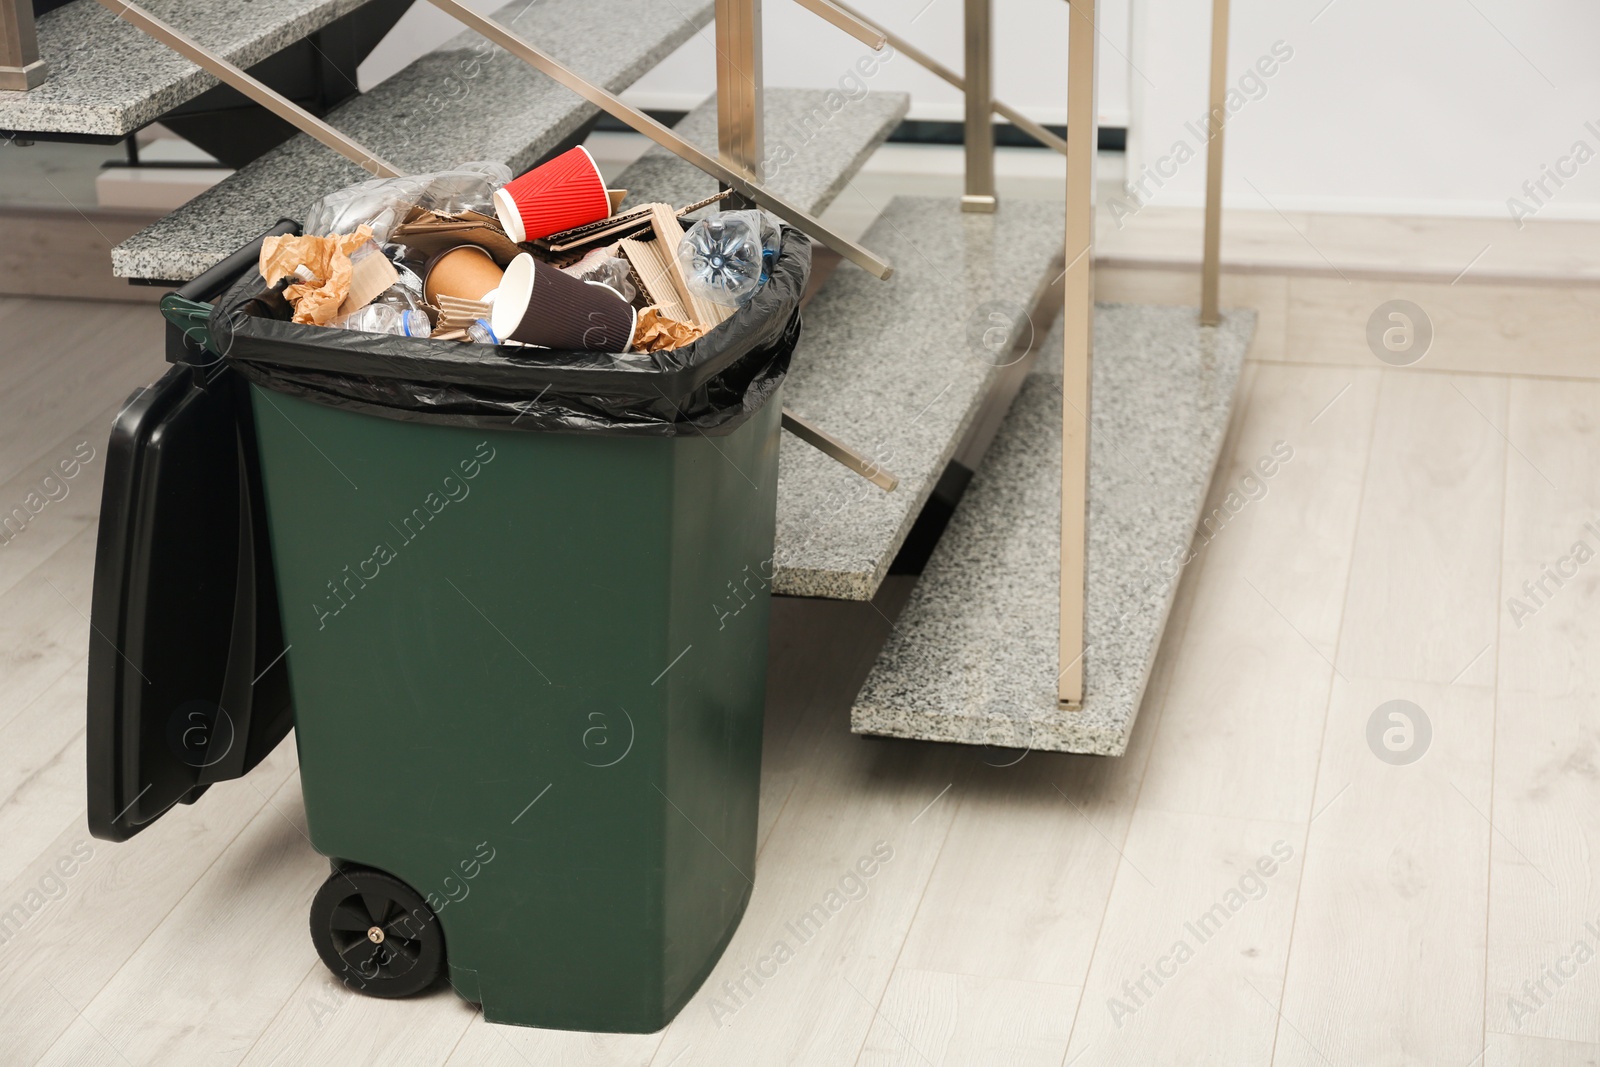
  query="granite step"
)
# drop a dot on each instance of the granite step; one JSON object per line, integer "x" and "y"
{"x": 108, "y": 79}
{"x": 467, "y": 100}
{"x": 973, "y": 656}
{"x": 900, "y": 369}
{"x": 816, "y": 141}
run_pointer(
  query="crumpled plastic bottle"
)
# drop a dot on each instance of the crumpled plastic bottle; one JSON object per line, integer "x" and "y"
{"x": 729, "y": 255}
{"x": 386, "y": 318}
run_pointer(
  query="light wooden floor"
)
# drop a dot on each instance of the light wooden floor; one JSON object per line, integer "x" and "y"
{"x": 1028, "y": 901}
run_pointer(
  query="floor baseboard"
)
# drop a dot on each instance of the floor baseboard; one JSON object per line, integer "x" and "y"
{"x": 67, "y": 253}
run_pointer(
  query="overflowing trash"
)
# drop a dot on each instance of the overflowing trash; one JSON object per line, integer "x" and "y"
{"x": 408, "y": 299}
{"x": 543, "y": 260}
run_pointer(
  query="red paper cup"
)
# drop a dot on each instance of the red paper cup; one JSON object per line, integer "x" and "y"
{"x": 565, "y": 192}
{"x": 538, "y": 305}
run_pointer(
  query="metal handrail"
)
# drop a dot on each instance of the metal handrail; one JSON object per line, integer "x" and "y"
{"x": 917, "y": 55}
{"x": 851, "y": 22}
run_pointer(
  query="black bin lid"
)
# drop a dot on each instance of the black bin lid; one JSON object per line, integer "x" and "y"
{"x": 188, "y": 682}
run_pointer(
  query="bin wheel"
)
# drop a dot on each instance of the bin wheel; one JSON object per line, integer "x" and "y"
{"x": 376, "y": 934}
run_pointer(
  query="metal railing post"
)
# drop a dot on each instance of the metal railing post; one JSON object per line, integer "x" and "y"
{"x": 20, "y": 65}
{"x": 740, "y": 140}
{"x": 1078, "y": 351}
{"x": 978, "y": 76}
{"x": 1211, "y": 261}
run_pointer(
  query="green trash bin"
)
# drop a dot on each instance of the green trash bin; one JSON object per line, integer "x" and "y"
{"x": 528, "y": 675}
{"x": 524, "y": 602}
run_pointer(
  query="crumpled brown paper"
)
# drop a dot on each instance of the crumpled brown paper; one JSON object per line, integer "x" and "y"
{"x": 328, "y": 260}
{"x": 656, "y": 332}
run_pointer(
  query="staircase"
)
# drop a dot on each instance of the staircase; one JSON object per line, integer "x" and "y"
{"x": 107, "y": 80}
{"x": 896, "y": 368}
{"x": 429, "y": 116}
{"x": 972, "y": 657}
{"x": 915, "y": 371}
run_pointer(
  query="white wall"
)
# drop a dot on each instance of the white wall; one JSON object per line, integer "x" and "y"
{"x": 1427, "y": 106}
{"x": 421, "y": 29}
{"x": 804, "y": 51}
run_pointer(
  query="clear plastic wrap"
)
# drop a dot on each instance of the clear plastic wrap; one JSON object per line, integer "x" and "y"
{"x": 603, "y": 267}
{"x": 384, "y": 203}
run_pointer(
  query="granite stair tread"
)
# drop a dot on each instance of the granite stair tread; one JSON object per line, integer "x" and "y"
{"x": 814, "y": 147}
{"x": 973, "y": 656}
{"x": 108, "y": 79}
{"x": 467, "y": 100}
{"x": 899, "y": 369}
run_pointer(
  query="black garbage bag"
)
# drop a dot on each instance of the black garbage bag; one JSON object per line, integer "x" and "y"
{"x": 708, "y": 387}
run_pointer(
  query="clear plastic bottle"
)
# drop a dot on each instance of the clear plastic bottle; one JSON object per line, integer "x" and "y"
{"x": 771, "y": 242}
{"x": 386, "y": 318}
{"x": 480, "y": 333}
{"x": 726, "y": 257}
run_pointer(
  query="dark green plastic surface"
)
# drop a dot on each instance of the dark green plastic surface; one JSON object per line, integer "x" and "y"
{"x": 191, "y": 316}
{"x": 535, "y": 693}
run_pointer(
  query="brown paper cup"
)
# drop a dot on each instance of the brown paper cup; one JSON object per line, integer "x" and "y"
{"x": 466, "y": 271}
{"x": 539, "y": 305}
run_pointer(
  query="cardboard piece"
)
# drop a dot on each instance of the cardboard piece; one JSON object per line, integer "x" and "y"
{"x": 656, "y": 276}
{"x": 582, "y": 238}
{"x": 370, "y": 275}
{"x": 655, "y": 260}
{"x": 428, "y": 234}
{"x": 456, "y": 313}
{"x": 629, "y": 224}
